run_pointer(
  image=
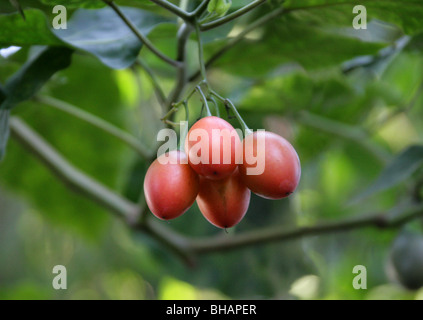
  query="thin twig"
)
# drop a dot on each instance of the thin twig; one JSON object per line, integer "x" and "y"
{"x": 174, "y": 9}
{"x": 157, "y": 89}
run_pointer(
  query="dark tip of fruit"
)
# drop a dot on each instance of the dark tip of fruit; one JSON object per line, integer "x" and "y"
{"x": 288, "y": 193}
{"x": 215, "y": 173}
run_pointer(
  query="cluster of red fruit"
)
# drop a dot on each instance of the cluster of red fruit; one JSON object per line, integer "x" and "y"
{"x": 222, "y": 190}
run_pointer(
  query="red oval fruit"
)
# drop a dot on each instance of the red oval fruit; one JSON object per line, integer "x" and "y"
{"x": 223, "y": 202}
{"x": 170, "y": 185}
{"x": 212, "y": 146}
{"x": 279, "y": 161}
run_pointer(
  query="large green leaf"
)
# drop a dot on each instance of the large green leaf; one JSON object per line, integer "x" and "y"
{"x": 404, "y": 13}
{"x": 399, "y": 170}
{"x": 293, "y": 40}
{"x": 103, "y": 33}
{"x": 34, "y": 73}
{"x": 34, "y": 30}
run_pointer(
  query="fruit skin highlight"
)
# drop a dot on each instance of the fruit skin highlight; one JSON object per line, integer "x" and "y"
{"x": 223, "y": 202}
{"x": 200, "y": 138}
{"x": 282, "y": 168}
{"x": 170, "y": 189}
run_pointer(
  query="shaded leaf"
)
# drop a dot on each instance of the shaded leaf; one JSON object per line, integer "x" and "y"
{"x": 102, "y": 33}
{"x": 34, "y": 73}
{"x": 399, "y": 170}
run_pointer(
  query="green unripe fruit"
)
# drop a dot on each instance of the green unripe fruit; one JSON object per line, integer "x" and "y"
{"x": 406, "y": 260}
{"x": 219, "y": 7}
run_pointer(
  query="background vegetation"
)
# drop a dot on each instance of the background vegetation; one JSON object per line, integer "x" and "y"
{"x": 83, "y": 107}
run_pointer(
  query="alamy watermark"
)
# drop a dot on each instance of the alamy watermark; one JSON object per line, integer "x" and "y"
{"x": 60, "y": 21}
{"x": 60, "y": 281}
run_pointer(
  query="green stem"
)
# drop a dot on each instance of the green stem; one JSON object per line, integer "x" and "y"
{"x": 216, "y": 106}
{"x": 183, "y": 36}
{"x": 97, "y": 122}
{"x": 232, "y": 16}
{"x": 201, "y": 53}
{"x": 204, "y": 99}
{"x": 228, "y": 103}
{"x": 174, "y": 9}
{"x": 157, "y": 89}
{"x": 183, "y": 130}
{"x": 232, "y": 42}
{"x": 200, "y": 9}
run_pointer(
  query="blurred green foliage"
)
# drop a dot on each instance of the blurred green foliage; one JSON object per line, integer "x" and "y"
{"x": 304, "y": 62}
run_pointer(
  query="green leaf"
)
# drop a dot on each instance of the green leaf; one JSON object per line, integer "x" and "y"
{"x": 34, "y": 73}
{"x": 399, "y": 170}
{"x": 102, "y": 33}
{"x": 403, "y": 13}
{"x": 34, "y": 30}
{"x": 292, "y": 40}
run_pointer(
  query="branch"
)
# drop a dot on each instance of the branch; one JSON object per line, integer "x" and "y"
{"x": 68, "y": 174}
{"x": 271, "y": 234}
{"x": 182, "y": 78}
{"x": 97, "y": 122}
{"x": 184, "y": 247}
{"x": 345, "y": 131}
{"x": 232, "y": 16}
{"x": 140, "y": 36}
{"x": 157, "y": 89}
{"x": 200, "y": 9}
{"x": 174, "y": 9}
{"x": 79, "y": 182}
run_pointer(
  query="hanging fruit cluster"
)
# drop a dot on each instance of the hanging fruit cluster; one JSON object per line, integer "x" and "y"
{"x": 221, "y": 186}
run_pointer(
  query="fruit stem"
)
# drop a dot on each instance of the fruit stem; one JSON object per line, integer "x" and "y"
{"x": 216, "y": 106}
{"x": 228, "y": 103}
{"x": 183, "y": 129}
{"x": 204, "y": 99}
{"x": 200, "y": 53}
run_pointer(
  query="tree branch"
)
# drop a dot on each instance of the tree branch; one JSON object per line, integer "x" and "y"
{"x": 181, "y": 78}
{"x": 272, "y": 234}
{"x": 68, "y": 174}
{"x": 188, "y": 248}
{"x": 174, "y": 9}
{"x": 97, "y": 122}
{"x": 81, "y": 183}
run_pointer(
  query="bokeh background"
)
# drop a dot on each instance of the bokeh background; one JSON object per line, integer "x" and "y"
{"x": 350, "y": 101}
